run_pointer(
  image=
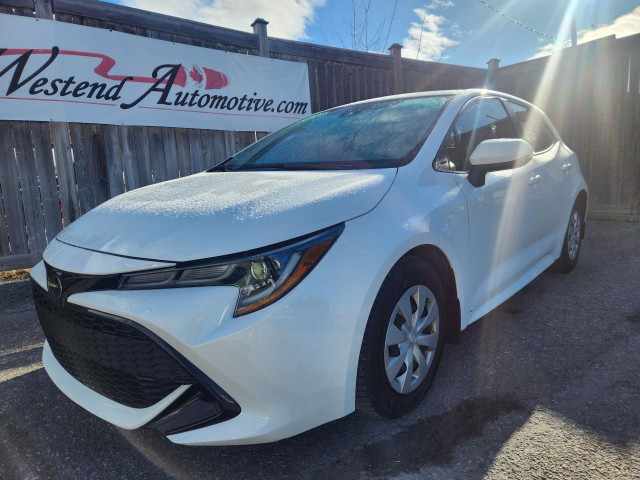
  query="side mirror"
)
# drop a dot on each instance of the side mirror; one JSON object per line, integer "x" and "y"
{"x": 498, "y": 154}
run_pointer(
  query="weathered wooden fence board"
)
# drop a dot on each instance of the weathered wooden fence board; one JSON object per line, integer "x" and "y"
{"x": 11, "y": 192}
{"x": 47, "y": 179}
{"x": 99, "y": 161}
{"x": 114, "y": 160}
{"x": 170, "y": 155}
{"x": 65, "y": 172}
{"x": 28, "y": 174}
{"x": 127, "y": 144}
{"x": 83, "y": 165}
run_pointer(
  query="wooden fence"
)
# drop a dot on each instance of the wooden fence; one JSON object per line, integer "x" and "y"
{"x": 52, "y": 172}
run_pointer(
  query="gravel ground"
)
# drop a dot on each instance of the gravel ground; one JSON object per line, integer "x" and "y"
{"x": 546, "y": 386}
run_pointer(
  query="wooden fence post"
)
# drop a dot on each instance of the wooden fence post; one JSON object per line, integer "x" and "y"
{"x": 494, "y": 64}
{"x": 398, "y": 77}
{"x": 43, "y": 9}
{"x": 260, "y": 30}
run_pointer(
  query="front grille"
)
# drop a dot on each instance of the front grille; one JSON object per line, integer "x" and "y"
{"x": 115, "y": 358}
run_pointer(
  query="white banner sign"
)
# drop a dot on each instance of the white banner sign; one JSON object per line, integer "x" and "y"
{"x": 70, "y": 73}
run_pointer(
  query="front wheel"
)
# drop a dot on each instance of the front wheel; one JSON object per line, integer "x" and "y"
{"x": 572, "y": 243}
{"x": 403, "y": 340}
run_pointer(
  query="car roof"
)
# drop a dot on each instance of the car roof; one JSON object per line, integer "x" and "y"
{"x": 460, "y": 97}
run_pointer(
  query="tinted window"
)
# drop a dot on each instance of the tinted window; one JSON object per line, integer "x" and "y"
{"x": 367, "y": 135}
{"x": 532, "y": 126}
{"x": 481, "y": 119}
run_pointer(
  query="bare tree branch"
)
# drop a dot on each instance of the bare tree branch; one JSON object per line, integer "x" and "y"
{"x": 354, "y": 26}
{"x": 393, "y": 17}
{"x": 419, "y": 42}
{"x": 361, "y": 32}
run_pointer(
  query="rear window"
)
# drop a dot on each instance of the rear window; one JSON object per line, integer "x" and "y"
{"x": 532, "y": 126}
{"x": 369, "y": 135}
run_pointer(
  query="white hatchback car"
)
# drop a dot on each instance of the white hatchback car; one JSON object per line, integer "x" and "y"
{"x": 318, "y": 271}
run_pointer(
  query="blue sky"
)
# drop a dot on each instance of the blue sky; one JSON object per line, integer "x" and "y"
{"x": 464, "y": 32}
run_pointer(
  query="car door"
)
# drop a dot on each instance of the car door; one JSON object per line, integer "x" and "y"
{"x": 552, "y": 168}
{"x": 505, "y": 213}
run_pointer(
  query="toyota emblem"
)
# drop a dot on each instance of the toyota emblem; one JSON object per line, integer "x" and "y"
{"x": 54, "y": 285}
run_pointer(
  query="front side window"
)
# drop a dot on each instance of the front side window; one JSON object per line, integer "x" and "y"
{"x": 481, "y": 119}
{"x": 386, "y": 133}
{"x": 532, "y": 127}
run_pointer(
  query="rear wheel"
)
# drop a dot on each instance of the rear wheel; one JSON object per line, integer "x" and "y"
{"x": 572, "y": 243}
{"x": 403, "y": 340}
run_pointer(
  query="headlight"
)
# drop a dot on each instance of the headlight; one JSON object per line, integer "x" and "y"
{"x": 262, "y": 278}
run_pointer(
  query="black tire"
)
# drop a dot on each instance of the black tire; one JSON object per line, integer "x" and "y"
{"x": 374, "y": 393}
{"x": 566, "y": 263}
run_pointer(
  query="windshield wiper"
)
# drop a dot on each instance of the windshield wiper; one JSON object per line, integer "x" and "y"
{"x": 221, "y": 167}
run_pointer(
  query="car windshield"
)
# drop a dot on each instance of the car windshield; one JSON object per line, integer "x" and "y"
{"x": 386, "y": 133}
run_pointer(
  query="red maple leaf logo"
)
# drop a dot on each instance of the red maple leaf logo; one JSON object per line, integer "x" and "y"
{"x": 195, "y": 75}
{"x": 215, "y": 79}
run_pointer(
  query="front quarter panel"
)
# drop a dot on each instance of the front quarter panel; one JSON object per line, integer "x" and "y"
{"x": 430, "y": 210}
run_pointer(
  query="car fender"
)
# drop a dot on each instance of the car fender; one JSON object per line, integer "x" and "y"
{"x": 404, "y": 225}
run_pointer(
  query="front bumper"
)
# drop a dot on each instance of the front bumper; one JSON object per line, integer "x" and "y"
{"x": 126, "y": 364}
{"x": 290, "y": 366}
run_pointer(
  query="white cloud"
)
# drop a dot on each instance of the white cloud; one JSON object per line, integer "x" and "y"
{"x": 627, "y": 24}
{"x": 288, "y": 18}
{"x": 440, "y": 3}
{"x": 426, "y": 40}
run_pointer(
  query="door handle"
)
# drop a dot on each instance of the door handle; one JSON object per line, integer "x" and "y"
{"x": 535, "y": 179}
{"x": 566, "y": 167}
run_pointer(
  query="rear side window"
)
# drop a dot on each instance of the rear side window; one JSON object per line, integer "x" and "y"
{"x": 481, "y": 119}
{"x": 532, "y": 127}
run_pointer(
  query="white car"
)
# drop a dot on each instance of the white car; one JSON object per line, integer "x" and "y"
{"x": 318, "y": 271}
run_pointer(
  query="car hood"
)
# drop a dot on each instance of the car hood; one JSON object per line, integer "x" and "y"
{"x": 220, "y": 213}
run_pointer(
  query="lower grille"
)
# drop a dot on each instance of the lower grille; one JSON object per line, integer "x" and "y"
{"x": 115, "y": 358}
